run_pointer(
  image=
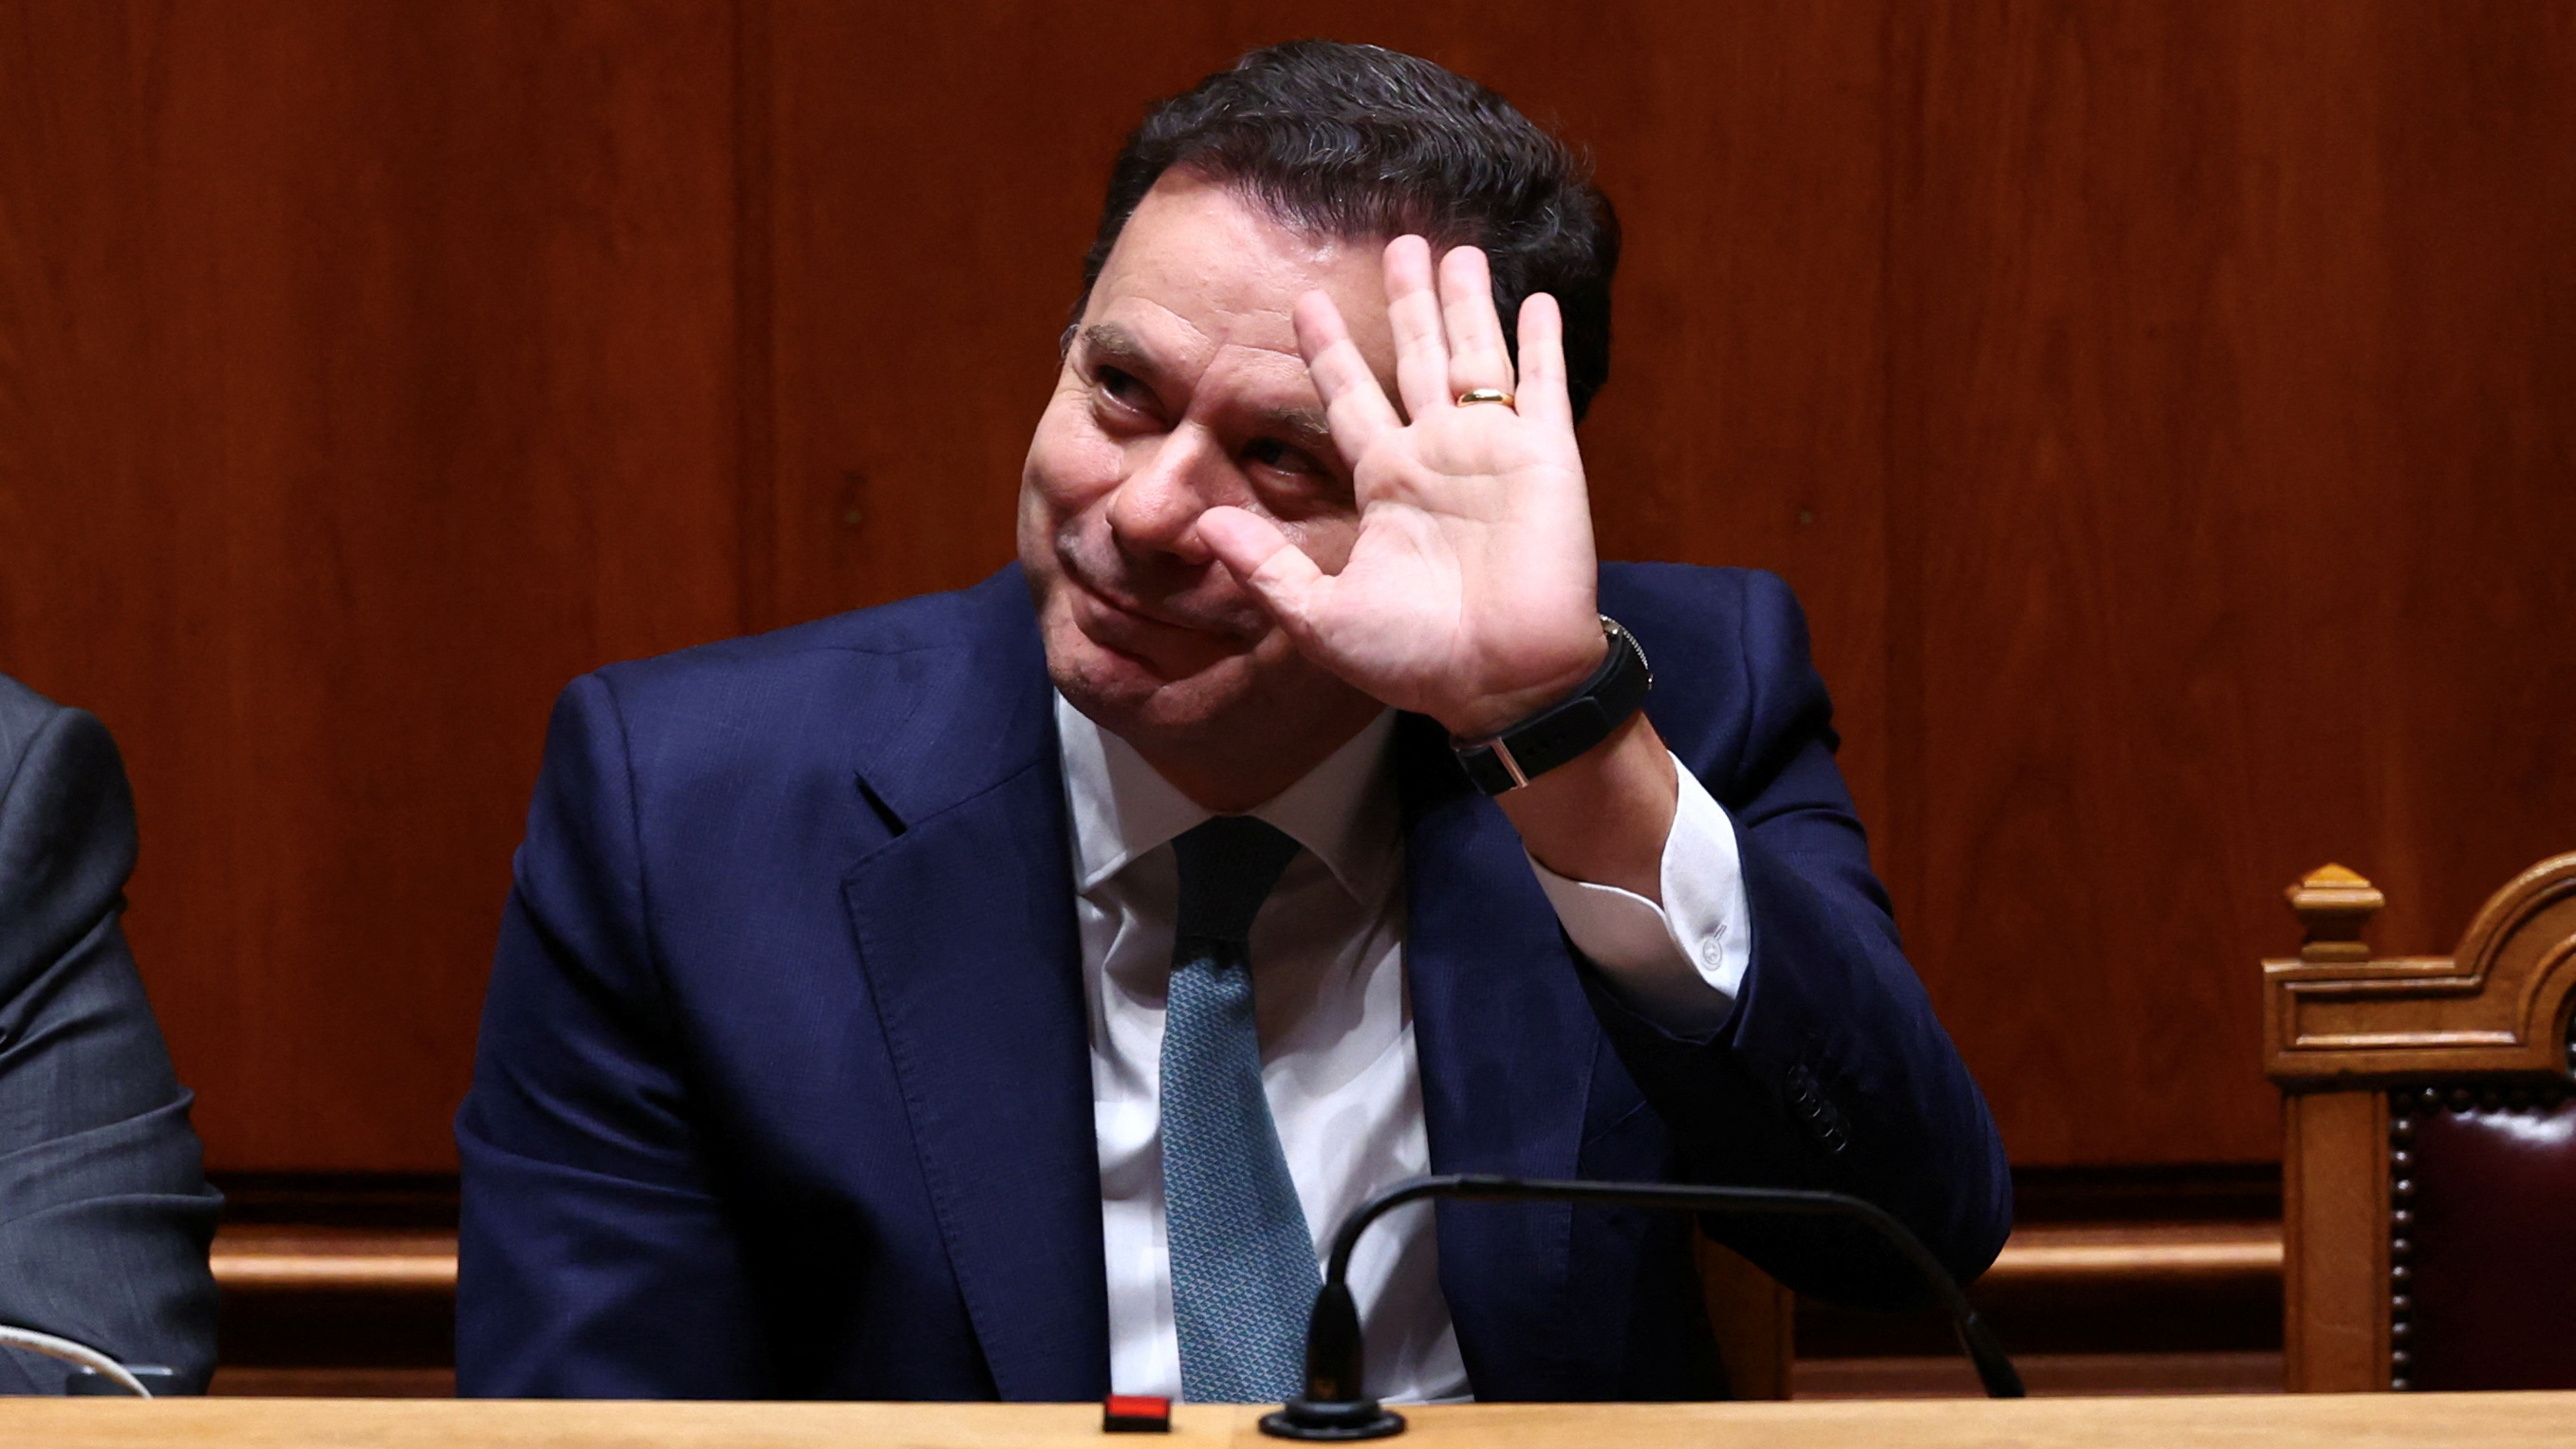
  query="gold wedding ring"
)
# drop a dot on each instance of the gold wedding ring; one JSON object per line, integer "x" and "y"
{"x": 1485, "y": 395}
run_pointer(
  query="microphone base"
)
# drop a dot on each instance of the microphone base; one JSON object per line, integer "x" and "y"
{"x": 1332, "y": 1420}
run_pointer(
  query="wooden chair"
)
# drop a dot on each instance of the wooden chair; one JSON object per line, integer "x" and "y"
{"x": 1753, "y": 1318}
{"x": 2429, "y": 1153}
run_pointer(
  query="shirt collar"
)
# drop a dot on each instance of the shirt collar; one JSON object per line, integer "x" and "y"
{"x": 1121, "y": 808}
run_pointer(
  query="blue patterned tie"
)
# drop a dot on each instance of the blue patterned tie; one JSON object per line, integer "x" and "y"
{"x": 1243, "y": 1262}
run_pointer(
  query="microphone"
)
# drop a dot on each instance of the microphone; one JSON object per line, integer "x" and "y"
{"x": 1335, "y": 1407}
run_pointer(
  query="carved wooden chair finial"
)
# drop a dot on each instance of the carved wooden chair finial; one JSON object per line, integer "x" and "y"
{"x": 2334, "y": 905}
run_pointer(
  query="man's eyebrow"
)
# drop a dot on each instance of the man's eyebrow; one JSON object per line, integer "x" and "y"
{"x": 1304, "y": 426}
{"x": 1113, "y": 343}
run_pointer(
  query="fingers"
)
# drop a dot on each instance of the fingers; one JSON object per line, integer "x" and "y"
{"x": 1542, "y": 394}
{"x": 1448, "y": 340}
{"x": 1260, "y": 557}
{"x": 1421, "y": 341}
{"x": 1448, "y": 335}
{"x": 1355, "y": 407}
{"x": 1477, "y": 356}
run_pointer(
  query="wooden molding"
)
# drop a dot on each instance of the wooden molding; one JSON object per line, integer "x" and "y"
{"x": 2091, "y": 1256}
{"x": 2082, "y": 1255}
{"x": 2336, "y": 1018}
{"x": 333, "y": 1260}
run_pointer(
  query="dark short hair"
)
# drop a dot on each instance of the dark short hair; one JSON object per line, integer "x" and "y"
{"x": 1360, "y": 142}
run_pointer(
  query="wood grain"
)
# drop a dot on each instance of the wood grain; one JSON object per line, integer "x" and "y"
{"x": 2335, "y": 1220}
{"x": 2506, "y": 1421}
{"x": 367, "y": 375}
{"x": 2231, "y": 349}
{"x": 2166, "y": 409}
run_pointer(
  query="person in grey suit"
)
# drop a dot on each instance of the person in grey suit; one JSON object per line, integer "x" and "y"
{"x": 105, "y": 1215}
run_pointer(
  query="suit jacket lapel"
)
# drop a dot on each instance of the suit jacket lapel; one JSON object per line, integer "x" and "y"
{"x": 965, "y": 927}
{"x": 1507, "y": 1044}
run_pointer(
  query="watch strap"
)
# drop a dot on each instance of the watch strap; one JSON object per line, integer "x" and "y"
{"x": 1540, "y": 743}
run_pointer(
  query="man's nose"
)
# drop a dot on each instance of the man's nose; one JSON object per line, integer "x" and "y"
{"x": 1156, "y": 508}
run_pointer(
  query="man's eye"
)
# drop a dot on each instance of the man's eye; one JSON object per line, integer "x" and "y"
{"x": 1272, "y": 453}
{"x": 1119, "y": 386}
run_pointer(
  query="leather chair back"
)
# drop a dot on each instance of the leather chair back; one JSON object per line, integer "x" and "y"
{"x": 2483, "y": 1220}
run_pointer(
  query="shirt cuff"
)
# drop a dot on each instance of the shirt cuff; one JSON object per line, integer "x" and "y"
{"x": 1680, "y": 964}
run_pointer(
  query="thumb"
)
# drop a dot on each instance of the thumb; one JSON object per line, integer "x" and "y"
{"x": 1263, "y": 560}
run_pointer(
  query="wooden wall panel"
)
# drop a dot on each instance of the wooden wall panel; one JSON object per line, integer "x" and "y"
{"x": 2166, "y": 411}
{"x": 367, "y": 374}
{"x": 2069, "y": 396}
{"x": 2232, "y": 356}
{"x": 2417, "y": 394}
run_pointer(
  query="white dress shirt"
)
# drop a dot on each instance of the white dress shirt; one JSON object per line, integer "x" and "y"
{"x": 1336, "y": 1025}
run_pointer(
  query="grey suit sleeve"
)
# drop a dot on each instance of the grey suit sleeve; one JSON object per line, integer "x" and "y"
{"x": 105, "y": 1215}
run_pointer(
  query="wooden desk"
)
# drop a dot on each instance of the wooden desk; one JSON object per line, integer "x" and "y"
{"x": 2324, "y": 1421}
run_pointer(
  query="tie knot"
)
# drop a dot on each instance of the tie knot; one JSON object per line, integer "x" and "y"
{"x": 1228, "y": 866}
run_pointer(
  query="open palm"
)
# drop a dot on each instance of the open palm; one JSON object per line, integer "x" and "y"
{"x": 1469, "y": 591}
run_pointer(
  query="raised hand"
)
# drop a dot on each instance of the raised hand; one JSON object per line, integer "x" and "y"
{"x": 1468, "y": 593}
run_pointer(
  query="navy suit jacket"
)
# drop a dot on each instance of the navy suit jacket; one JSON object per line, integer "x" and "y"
{"x": 784, "y": 1083}
{"x": 104, "y": 1210}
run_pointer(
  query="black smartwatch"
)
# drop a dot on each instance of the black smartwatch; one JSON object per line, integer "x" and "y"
{"x": 1566, "y": 729}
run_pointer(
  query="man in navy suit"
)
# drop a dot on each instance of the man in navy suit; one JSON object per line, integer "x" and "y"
{"x": 104, "y": 1210}
{"x": 999, "y": 993}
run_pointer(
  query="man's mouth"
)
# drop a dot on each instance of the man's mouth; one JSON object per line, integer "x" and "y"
{"x": 1144, "y": 636}
{"x": 1126, "y": 614}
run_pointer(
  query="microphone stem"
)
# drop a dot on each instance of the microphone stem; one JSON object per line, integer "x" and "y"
{"x": 1994, "y": 1370}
